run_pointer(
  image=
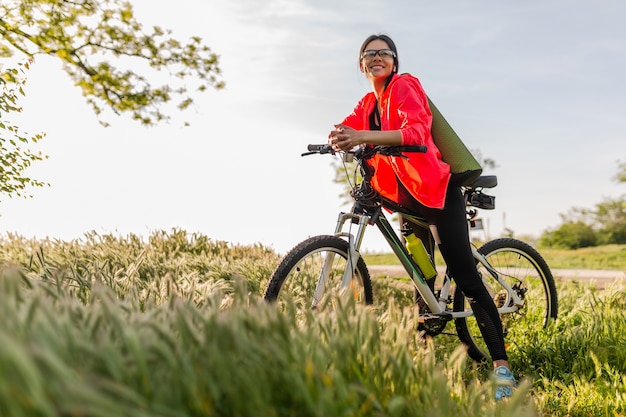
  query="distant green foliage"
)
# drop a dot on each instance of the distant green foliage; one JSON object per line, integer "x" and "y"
{"x": 570, "y": 235}
{"x": 603, "y": 225}
{"x": 611, "y": 219}
{"x": 621, "y": 172}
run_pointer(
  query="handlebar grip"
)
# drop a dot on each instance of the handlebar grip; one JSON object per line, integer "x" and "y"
{"x": 317, "y": 148}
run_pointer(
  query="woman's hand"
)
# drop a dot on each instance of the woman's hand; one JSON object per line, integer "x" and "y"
{"x": 344, "y": 138}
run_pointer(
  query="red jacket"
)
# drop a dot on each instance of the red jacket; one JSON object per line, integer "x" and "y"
{"x": 405, "y": 108}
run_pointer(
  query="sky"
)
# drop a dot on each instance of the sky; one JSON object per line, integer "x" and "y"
{"x": 538, "y": 86}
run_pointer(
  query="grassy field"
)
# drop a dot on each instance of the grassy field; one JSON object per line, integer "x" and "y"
{"x": 175, "y": 326}
{"x": 609, "y": 257}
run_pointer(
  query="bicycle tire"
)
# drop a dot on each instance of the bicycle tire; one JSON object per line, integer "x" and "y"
{"x": 520, "y": 264}
{"x": 297, "y": 274}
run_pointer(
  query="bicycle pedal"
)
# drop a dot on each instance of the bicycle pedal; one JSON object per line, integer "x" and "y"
{"x": 439, "y": 317}
{"x": 432, "y": 324}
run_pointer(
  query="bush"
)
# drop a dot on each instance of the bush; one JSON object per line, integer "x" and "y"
{"x": 570, "y": 235}
{"x": 611, "y": 220}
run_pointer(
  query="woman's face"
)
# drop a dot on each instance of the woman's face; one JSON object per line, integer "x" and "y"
{"x": 377, "y": 60}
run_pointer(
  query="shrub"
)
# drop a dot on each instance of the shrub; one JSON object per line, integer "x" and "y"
{"x": 570, "y": 235}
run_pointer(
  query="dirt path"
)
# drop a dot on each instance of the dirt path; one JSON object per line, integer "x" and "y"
{"x": 600, "y": 278}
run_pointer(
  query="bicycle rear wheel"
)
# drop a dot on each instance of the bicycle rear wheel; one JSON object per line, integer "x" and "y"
{"x": 318, "y": 259}
{"x": 523, "y": 268}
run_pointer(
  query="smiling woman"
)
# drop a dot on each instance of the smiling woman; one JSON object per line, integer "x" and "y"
{"x": 396, "y": 113}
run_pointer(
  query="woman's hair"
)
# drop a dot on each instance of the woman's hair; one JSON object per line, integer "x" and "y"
{"x": 389, "y": 42}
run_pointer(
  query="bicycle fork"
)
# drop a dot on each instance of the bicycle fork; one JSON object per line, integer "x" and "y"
{"x": 353, "y": 255}
{"x": 354, "y": 244}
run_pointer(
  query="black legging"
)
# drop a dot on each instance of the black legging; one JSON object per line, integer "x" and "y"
{"x": 451, "y": 222}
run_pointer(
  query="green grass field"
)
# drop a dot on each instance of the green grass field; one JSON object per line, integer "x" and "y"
{"x": 175, "y": 326}
{"x": 609, "y": 257}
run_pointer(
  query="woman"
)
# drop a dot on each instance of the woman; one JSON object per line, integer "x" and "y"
{"x": 396, "y": 113}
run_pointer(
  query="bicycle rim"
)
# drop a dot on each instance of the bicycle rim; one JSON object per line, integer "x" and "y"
{"x": 523, "y": 268}
{"x": 297, "y": 277}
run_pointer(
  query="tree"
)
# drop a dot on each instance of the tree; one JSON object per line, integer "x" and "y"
{"x": 87, "y": 35}
{"x": 606, "y": 224}
{"x": 109, "y": 56}
{"x": 13, "y": 158}
{"x": 621, "y": 172}
{"x": 611, "y": 220}
{"x": 571, "y": 234}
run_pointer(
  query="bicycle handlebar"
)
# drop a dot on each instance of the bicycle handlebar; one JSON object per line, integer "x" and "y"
{"x": 321, "y": 149}
{"x": 392, "y": 150}
{"x": 318, "y": 148}
{"x": 384, "y": 150}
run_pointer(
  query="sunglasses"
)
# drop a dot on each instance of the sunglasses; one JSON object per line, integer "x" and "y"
{"x": 383, "y": 53}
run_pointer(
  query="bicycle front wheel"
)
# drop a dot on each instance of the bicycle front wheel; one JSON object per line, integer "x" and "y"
{"x": 525, "y": 270}
{"x": 313, "y": 270}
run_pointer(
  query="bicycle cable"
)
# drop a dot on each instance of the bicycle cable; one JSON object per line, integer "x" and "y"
{"x": 352, "y": 186}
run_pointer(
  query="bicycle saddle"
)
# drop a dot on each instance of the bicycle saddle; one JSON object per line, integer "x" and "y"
{"x": 485, "y": 181}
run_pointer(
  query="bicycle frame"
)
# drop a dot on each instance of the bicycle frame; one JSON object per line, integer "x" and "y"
{"x": 436, "y": 305}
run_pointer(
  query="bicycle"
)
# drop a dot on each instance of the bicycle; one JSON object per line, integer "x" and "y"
{"x": 515, "y": 274}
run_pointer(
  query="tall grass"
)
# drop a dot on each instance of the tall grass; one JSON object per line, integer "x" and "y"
{"x": 174, "y": 326}
{"x": 579, "y": 365}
